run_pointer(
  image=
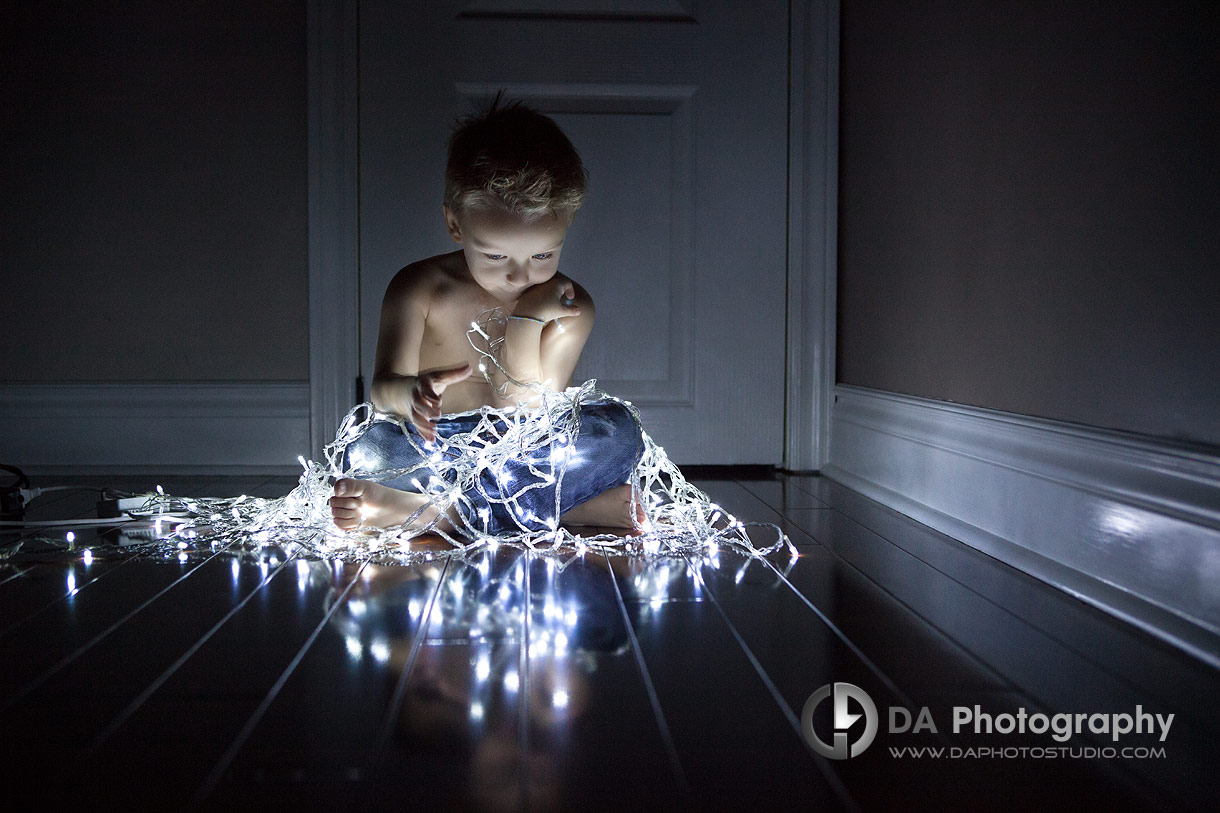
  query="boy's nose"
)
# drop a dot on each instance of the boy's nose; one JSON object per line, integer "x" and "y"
{"x": 517, "y": 274}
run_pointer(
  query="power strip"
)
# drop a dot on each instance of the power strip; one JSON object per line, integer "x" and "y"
{"x": 120, "y": 506}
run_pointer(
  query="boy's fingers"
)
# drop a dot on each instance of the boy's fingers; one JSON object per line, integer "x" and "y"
{"x": 423, "y": 409}
{"x": 425, "y": 428}
{"x": 424, "y": 415}
{"x": 443, "y": 378}
{"x": 454, "y": 374}
{"x": 426, "y": 402}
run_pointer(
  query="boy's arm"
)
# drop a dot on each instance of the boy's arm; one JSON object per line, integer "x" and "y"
{"x": 546, "y": 351}
{"x": 398, "y": 386}
{"x": 561, "y": 349}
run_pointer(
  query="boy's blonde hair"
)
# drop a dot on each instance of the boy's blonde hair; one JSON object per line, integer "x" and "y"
{"x": 515, "y": 159}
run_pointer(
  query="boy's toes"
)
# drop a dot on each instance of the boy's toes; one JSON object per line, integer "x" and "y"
{"x": 346, "y": 505}
{"x": 348, "y": 487}
{"x": 641, "y": 518}
{"x": 345, "y": 518}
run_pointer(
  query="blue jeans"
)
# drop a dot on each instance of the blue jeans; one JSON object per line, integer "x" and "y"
{"x": 604, "y": 455}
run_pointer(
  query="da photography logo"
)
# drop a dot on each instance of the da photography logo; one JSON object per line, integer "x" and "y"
{"x": 844, "y": 719}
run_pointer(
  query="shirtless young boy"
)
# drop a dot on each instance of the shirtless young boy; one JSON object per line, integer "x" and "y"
{"x": 513, "y": 184}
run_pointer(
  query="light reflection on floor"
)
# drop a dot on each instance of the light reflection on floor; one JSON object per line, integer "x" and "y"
{"x": 505, "y": 680}
{"x": 490, "y": 655}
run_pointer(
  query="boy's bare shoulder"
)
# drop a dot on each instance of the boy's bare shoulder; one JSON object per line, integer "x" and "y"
{"x": 421, "y": 282}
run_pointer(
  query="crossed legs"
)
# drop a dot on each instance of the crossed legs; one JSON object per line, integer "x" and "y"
{"x": 363, "y": 502}
{"x": 602, "y": 458}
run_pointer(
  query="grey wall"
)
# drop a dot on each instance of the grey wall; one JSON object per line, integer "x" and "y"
{"x": 153, "y": 191}
{"x": 1028, "y": 208}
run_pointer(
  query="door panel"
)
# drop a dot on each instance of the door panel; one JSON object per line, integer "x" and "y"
{"x": 679, "y": 113}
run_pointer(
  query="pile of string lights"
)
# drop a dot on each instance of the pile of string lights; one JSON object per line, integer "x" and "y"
{"x": 679, "y": 519}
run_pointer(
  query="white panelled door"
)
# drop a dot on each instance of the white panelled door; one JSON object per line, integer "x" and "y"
{"x": 678, "y": 108}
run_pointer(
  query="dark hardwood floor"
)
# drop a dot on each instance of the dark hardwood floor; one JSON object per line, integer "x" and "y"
{"x": 218, "y": 679}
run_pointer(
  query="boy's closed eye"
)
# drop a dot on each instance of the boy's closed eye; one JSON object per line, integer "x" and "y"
{"x": 497, "y": 257}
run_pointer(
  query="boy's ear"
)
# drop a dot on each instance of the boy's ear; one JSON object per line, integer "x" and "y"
{"x": 451, "y": 223}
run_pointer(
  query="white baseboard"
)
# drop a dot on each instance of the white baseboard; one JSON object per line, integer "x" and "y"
{"x": 164, "y": 427}
{"x": 1126, "y": 523}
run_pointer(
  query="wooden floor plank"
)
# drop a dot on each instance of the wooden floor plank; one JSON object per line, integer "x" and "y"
{"x": 591, "y": 722}
{"x": 327, "y": 722}
{"x": 723, "y": 721}
{"x": 54, "y": 640}
{"x": 457, "y": 728}
{"x": 214, "y": 694}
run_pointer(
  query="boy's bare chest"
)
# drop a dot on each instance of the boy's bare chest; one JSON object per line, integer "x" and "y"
{"x": 445, "y": 344}
{"x": 450, "y": 318}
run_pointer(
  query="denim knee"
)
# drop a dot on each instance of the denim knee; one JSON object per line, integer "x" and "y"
{"x": 608, "y": 447}
{"x": 383, "y": 447}
{"x": 624, "y": 430}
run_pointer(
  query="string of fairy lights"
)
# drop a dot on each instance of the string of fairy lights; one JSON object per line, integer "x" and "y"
{"x": 538, "y": 440}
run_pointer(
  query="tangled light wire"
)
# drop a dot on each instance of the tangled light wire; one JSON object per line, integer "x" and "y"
{"x": 679, "y": 518}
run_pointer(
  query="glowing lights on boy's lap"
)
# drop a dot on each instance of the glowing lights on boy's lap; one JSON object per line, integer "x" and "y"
{"x": 524, "y": 448}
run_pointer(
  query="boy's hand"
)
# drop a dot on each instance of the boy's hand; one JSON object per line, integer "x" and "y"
{"x": 548, "y": 300}
{"x": 425, "y": 397}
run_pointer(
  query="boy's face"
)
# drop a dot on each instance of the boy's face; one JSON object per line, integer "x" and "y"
{"x": 505, "y": 253}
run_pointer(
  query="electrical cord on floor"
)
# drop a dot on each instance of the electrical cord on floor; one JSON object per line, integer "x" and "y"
{"x": 55, "y": 523}
{"x": 114, "y": 507}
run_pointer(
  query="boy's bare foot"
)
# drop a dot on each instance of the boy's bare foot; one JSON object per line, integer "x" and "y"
{"x": 610, "y": 509}
{"x": 360, "y": 502}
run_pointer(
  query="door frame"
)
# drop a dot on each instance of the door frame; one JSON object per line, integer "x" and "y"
{"x": 334, "y": 223}
{"x": 334, "y": 212}
{"x": 813, "y": 218}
